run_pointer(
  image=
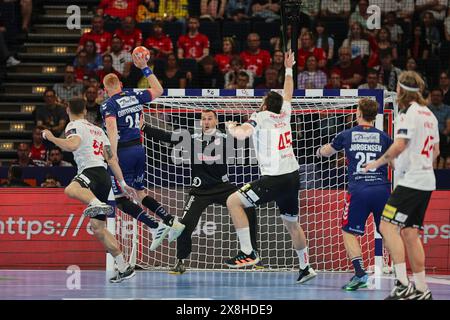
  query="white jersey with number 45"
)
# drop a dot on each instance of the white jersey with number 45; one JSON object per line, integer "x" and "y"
{"x": 90, "y": 152}
{"x": 414, "y": 166}
{"x": 272, "y": 138}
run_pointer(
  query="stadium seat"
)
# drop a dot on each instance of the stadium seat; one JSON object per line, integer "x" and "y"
{"x": 111, "y": 26}
{"x": 173, "y": 30}
{"x": 267, "y": 30}
{"x": 238, "y": 29}
{"x": 210, "y": 29}
{"x": 188, "y": 65}
{"x": 146, "y": 29}
{"x": 215, "y": 47}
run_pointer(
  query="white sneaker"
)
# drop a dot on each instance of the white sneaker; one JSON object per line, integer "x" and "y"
{"x": 99, "y": 209}
{"x": 11, "y": 62}
{"x": 158, "y": 235}
{"x": 176, "y": 230}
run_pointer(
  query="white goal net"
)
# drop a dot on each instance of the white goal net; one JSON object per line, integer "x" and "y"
{"x": 316, "y": 118}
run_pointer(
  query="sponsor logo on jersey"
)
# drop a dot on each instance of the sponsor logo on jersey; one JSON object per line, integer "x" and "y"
{"x": 389, "y": 211}
{"x": 196, "y": 182}
{"x": 127, "y": 101}
{"x": 366, "y": 137}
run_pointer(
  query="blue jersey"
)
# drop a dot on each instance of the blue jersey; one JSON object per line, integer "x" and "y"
{"x": 363, "y": 144}
{"x": 127, "y": 108}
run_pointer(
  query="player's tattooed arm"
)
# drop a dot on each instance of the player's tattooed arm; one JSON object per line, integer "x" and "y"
{"x": 107, "y": 152}
{"x": 393, "y": 152}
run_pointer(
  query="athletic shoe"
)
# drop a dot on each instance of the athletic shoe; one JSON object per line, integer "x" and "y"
{"x": 179, "y": 268}
{"x": 242, "y": 260}
{"x": 175, "y": 230}
{"x": 158, "y": 235}
{"x": 120, "y": 276}
{"x": 356, "y": 283}
{"x": 260, "y": 264}
{"x": 419, "y": 295}
{"x": 11, "y": 62}
{"x": 401, "y": 292}
{"x": 98, "y": 209}
{"x": 306, "y": 274}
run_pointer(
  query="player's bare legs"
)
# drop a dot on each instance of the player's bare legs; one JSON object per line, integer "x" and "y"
{"x": 416, "y": 256}
{"x": 104, "y": 236}
{"x": 176, "y": 228}
{"x": 76, "y": 191}
{"x": 236, "y": 210}
{"x": 351, "y": 245}
{"x": 354, "y": 252}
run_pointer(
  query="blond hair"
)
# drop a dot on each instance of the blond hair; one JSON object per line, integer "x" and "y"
{"x": 111, "y": 81}
{"x": 413, "y": 80}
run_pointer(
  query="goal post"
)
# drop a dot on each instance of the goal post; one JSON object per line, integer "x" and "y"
{"x": 317, "y": 116}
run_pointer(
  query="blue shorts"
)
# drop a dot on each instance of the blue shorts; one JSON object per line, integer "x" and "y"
{"x": 132, "y": 163}
{"x": 360, "y": 203}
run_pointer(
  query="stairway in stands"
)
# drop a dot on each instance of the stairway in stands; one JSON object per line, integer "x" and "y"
{"x": 50, "y": 45}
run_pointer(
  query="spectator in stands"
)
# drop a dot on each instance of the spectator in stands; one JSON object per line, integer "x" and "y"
{"x": 324, "y": 41}
{"x": 278, "y": 64}
{"x": 236, "y": 69}
{"x": 411, "y": 65}
{"x": 384, "y": 43}
{"x": 228, "y": 51}
{"x": 117, "y": 9}
{"x": 69, "y": 88}
{"x": 93, "y": 114}
{"x": 121, "y": 58}
{"x": 26, "y": 9}
{"x": 431, "y": 32}
{"x": 147, "y": 11}
{"x": 15, "y": 179}
{"x": 255, "y": 59}
{"x": 444, "y": 84}
{"x": 360, "y": 14}
{"x": 82, "y": 70}
{"x": 388, "y": 73}
{"x": 403, "y": 9}
{"x": 445, "y": 146}
{"x": 159, "y": 41}
{"x": 23, "y": 157}
{"x": 308, "y": 49}
{"x": 447, "y": 26}
{"x": 51, "y": 115}
{"x": 357, "y": 43}
{"x": 55, "y": 158}
{"x": 372, "y": 81}
{"x": 130, "y": 35}
{"x": 418, "y": 48}
{"x": 93, "y": 59}
{"x": 193, "y": 45}
{"x": 174, "y": 11}
{"x": 50, "y": 181}
{"x": 270, "y": 79}
{"x": 440, "y": 110}
{"x": 396, "y": 31}
{"x": 5, "y": 54}
{"x": 38, "y": 150}
{"x": 101, "y": 38}
{"x": 172, "y": 76}
{"x": 335, "y": 9}
{"x": 242, "y": 81}
{"x": 212, "y": 9}
{"x": 311, "y": 77}
{"x": 267, "y": 10}
{"x": 351, "y": 72}
{"x": 311, "y": 9}
{"x": 209, "y": 75}
{"x": 436, "y": 7}
{"x": 238, "y": 10}
{"x": 335, "y": 81}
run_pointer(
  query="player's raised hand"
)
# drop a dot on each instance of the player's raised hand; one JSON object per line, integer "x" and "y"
{"x": 230, "y": 124}
{"x": 47, "y": 134}
{"x": 139, "y": 61}
{"x": 289, "y": 59}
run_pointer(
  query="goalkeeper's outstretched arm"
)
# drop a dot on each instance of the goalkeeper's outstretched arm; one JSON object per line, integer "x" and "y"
{"x": 156, "y": 134}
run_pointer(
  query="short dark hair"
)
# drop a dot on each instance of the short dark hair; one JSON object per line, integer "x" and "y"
{"x": 386, "y": 53}
{"x": 55, "y": 148}
{"x": 368, "y": 108}
{"x": 15, "y": 172}
{"x": 107, "y": 56}
{"x": 274, "y": 102}
{"x": 49, "y": 90}
{"x": 372, "y": 71}
{"x": 437, "y": 89}
{"x": 243, "y": 74}
{"x": 77, "y": 105}
{"x": 210, "y": 110}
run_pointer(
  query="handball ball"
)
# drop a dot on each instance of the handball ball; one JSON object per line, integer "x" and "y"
{"x": 143, "y": 52}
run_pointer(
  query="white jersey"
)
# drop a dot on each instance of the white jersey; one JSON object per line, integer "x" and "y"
{"x": 272, "y": 139}
{"x": 90, "y": 152}
{"x": 414, "y": 166}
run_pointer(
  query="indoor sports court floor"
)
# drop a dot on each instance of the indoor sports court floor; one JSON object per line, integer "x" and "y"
{"x": 197, "y": 285}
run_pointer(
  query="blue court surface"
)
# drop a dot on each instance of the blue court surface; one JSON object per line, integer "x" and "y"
{"x": 214, "y": 285}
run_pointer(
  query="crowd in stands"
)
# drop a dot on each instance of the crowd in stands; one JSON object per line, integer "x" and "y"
{"x": 336, "y": 51}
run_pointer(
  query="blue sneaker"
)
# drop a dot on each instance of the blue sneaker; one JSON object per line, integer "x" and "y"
{"x": 356, "y": 283}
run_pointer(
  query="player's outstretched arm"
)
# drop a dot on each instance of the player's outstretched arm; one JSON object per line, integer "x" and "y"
{"x": 240, "y": 132}
{"x": 113, "y": 163}
{"x": 156, "y": 133}
{"x": 393, "y": 152}
{"x": 156, "y": 90}
{"x": 288, "y": 89}
{"x": 325, "y": 151}
{"x": 70, "y": 144}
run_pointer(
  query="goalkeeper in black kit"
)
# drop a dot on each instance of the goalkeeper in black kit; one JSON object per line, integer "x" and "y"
{"x": 209, "y": 180}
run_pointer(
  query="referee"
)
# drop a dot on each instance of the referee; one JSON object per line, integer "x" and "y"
{"x": 210, "y": 184}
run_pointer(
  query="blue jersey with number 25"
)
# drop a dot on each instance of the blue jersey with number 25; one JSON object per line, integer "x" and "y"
{"x": 127, "y": 108}
{"x": 363, "y": 144}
